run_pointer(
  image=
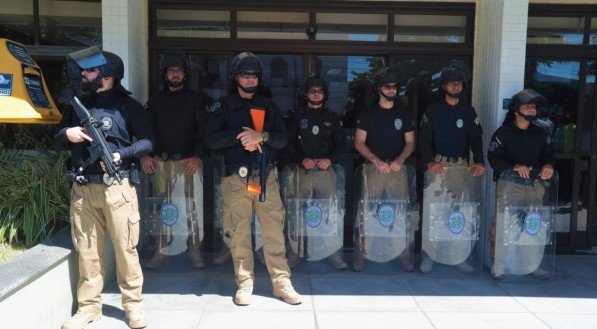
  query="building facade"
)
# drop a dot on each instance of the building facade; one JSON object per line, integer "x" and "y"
{"x": 550, "y": 46}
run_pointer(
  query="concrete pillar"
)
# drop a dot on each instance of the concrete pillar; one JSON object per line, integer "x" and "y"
{"x": 499, "y": 69}
{"x": 125, "y": 32}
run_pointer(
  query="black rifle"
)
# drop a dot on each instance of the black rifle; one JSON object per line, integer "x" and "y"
{"x": 98, "y": 149}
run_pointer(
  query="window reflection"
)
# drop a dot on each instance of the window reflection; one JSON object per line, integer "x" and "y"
{"x": 193, "y": 23}
{"x": 558, "y": 81}
{"x": 352, "y": 27}
{"x": 555, "y": 30}
{"x": 16, "y": 21}
{"x": 285, "y": 78}
{"x": 70, "y": 23}
{"x": 429, "y": 28}
{"x": 272, "y": 25}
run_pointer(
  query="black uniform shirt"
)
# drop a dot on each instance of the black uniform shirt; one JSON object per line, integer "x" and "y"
{"x": 127, "y": 131}
{"x": 179, "y": 120}
{"x": 229, "y": 115}
{"x": 315, "y": 134}
{"x": 385, "y": 130}
{"x": 449, "y": 131}
{"x": 511, "y": 145}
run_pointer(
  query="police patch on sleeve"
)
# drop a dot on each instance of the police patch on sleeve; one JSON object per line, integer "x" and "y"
{"x": 493, "y": 146}
{"x": 304, "y": 124}
{"x": 398, "y": 123}
{"x": 548, "y": 140}
{"x": 477, "y": 121}
{"x": 459, "y": 123}
{"x": 214, "y": 107}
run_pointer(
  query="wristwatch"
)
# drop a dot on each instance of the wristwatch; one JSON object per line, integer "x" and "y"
{"x": 265, "y": 137}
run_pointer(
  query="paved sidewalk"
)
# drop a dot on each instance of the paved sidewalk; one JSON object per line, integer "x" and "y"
{"x": 177, "y": 296}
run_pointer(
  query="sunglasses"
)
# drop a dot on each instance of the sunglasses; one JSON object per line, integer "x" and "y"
{"x": 175, "y": 71}
{"x": 316, "y": 91}
{"x": 249, "y": 75}
{"x": 90, "y": 70}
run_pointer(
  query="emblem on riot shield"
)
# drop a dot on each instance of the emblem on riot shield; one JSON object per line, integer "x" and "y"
{"x": 169, "y": 214}
{"x": 313, "y": 215}
{"x": 456, "y": 221}
{"x": 386, "y": 214}
{"x": 532, "y": 222}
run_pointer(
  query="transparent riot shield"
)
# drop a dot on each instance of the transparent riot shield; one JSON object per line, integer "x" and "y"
{"x": 383, "y": 227}
{"x": 451, "y": 220}
{"x": 173, "y": 208}
{"x": 523, "y": 232}
{"x": 314, "y": 201}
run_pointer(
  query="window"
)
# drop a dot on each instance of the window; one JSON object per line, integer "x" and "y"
{"x": 429, "y": 28}
{"x": 555, "y": 30}
{"x": 352, "y": 27}
{"x": 272, "y": 25}
{"x": 70, "y": 23}
{"x": 16, "y": 21}
{"x": 193, "y": 23}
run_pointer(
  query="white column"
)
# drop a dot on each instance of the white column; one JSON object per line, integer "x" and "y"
{"x": 499, "y": 69}
{"x": 125, "y": 33}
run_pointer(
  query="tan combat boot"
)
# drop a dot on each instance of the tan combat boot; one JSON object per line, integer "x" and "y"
{"x": 158, "y": 260}
{"x": 136, "y": 319}
{"x": 286, "y": 292}
{"x": 243, "y": 295}
{"x": 336, "y": 261}
{"x": 223, "y": 256}
{"x": 81, "y": 319}
{"x": 195, "y": 257}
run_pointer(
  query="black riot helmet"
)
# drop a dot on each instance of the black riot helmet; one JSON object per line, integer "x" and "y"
{"x": 246, "y": 61}
{"x": 108, "y": 64}
{"x": 174, "y": 57}
{"x": 385, "y": 76}
{"x": 315, "y": 81}
{"x": 455, "y": 72}
{"x": 524, "y": 97}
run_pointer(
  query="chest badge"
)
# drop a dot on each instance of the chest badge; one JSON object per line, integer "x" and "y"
{"x": 304, "y": 124}
{"x": 459, "y": 123}
{"x": 243, "y": 171}
{"x": 106, "y": 123}
{"x": 315, "y": 130}
{"x": 398, "y": 124}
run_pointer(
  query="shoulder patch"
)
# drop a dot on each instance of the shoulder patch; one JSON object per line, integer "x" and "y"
{"x": 214, "y": 107}
{"x": 477, "y": 121}
{"x": 548, "y": 140}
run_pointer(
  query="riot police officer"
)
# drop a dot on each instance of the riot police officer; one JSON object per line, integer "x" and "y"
{"x": 524, "y": 147}
{"x": 178, "y": 116}
{"x": 98, "y": 205}
{"x": 449, "y": 129}
{"x": 316, "y": 141}
{"x": 232, "y": 132}
{"x": 385, "y": 138}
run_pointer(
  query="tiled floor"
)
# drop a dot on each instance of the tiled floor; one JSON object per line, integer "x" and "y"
{"x": 382, "y": 296}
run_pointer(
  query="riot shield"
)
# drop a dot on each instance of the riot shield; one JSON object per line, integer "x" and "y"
{"x": 383, "y": 225}
{"x": 314, "y": 201}
{"x": 523, "y": 231}
{"x": 173, "y": 208}
{"x": 451, "y": 219}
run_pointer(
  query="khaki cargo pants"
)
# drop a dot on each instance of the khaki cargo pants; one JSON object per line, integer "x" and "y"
{"x": 97, "y": 209}
{"x": 237, "y": 213}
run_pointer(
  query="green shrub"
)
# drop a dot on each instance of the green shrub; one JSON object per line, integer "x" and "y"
{"x": 34, "y": 196}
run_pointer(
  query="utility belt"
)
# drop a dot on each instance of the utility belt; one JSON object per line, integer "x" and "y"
{"x": 247, "y": 171}
{"x": 440, "y": 158}
{"x": 175, "y": 156}
{"x": 75, "y": 177}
